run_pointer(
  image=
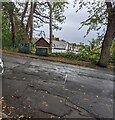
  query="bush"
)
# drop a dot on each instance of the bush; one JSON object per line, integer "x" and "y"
{"x": 112, "y": 58}
{"x": 88, "y": 53}
{"x": 69, "y": 55}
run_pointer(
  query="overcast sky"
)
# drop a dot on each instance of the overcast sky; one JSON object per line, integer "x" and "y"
{"x": 70, "y": 28}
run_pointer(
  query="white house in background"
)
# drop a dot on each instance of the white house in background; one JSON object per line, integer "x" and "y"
{"x": 70, "y": 47}
{"x": 63, "y": 45}
{"x": 58, "y": 44}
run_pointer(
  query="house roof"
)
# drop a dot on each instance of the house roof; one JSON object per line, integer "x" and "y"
{"x": 42, "y": 42}
{"x": 58, "y": 43}
{"x": 41, "y": 39}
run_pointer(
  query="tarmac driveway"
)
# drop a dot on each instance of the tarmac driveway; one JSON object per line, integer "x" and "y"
{"x": 42, "y": 89}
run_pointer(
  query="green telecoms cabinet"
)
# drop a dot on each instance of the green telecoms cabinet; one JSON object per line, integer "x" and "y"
{"x": 25, "y": 48}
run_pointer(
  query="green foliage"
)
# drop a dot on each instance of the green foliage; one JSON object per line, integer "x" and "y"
{"x": 97, "y": 17}
{"x": 69, "y": 55}
{"x": 9, "y": 9}
{"x": 112, "y": 51}
{"x": 101, "y": 15}
{"x": 6, "y": 33}
{"x": 19, "y": 33}
{"x": 33, "y": 46}
{"x": 42, "y": 13}
{"x": 88, "y": 53}
{"x": 92, "y": 51}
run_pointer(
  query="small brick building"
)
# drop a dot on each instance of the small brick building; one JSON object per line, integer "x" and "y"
{"x": 42, "y": 43}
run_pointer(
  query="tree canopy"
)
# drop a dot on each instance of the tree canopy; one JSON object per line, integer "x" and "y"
{"x": 101, "y": 14}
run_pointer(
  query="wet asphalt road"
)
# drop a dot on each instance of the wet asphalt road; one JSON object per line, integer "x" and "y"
{"x": 43, "y": 89}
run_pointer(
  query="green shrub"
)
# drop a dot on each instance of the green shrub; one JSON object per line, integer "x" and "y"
{"x": 88, "y": 53}
{"x": 69, "y": 55}
{"x": 112, "y": 54}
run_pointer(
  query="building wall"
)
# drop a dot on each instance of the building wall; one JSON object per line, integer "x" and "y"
{"x": 59, "y": 44}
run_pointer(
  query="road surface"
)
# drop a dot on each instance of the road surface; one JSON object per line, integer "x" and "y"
{"x": 43, "y": 89}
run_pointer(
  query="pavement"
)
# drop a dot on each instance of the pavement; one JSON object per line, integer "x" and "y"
{"x": 34, "y": 88}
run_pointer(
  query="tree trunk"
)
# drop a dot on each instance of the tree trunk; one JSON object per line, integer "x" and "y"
{"x": 29, "y": 26}
{"x": 50, "y": 28}
{"x": 13, "y": 30}
{"x": 106, "y": 45}
{"x": 108, "y": 38}
{"x": 31, "y": 20}
{"x": 26, "y": 36}
{"x": 24, "y": 12}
